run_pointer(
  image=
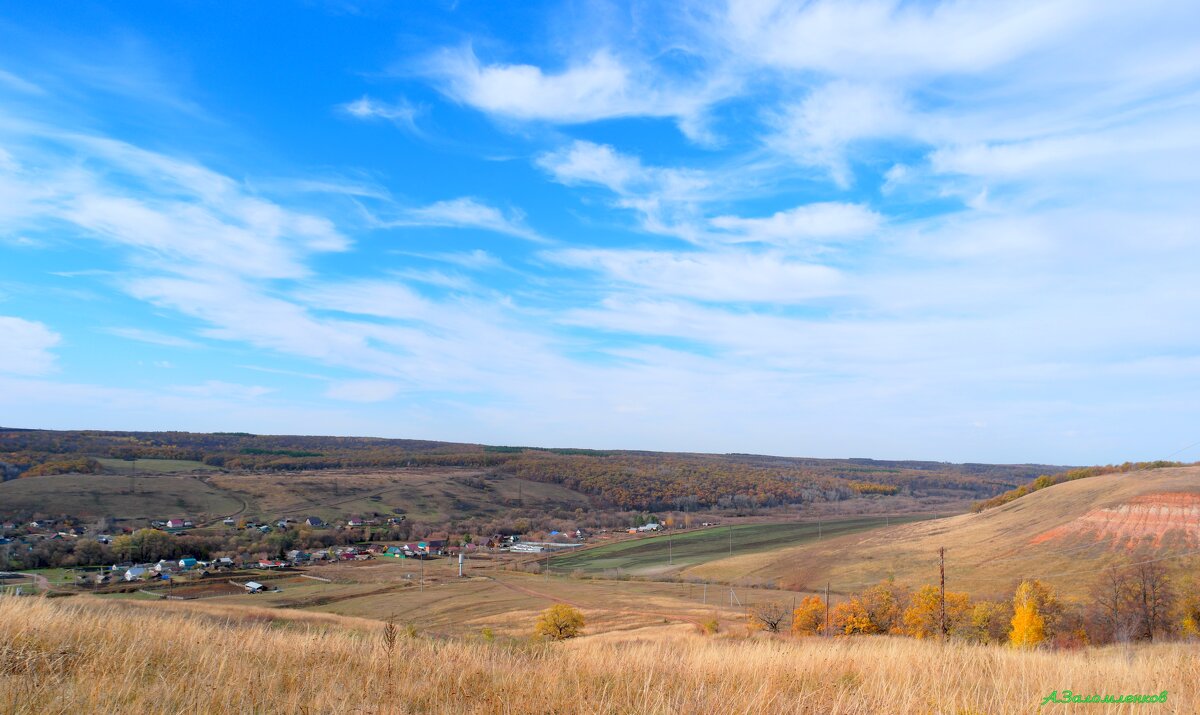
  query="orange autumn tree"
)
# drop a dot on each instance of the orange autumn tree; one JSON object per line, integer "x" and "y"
{"x": 878, "y": 609}
{"x": 809, "y": 617}
{"x": 851, "y": 618}
{"x": 923, "y": 618}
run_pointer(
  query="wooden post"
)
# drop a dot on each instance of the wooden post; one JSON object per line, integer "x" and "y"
{"x": 942, "y": 568}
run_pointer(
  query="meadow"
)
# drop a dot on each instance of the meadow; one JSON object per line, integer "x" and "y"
{"x": 661, "y": 554}
{"x": 83, "y": 655}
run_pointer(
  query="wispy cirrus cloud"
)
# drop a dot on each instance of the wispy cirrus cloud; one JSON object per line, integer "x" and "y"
{"x": 719, "y": 277}
{"x": 151, "y": 337}
{"x": 466, "y": 212}
{"x": 822, "y": 221}
{"x": 400, "y": 112}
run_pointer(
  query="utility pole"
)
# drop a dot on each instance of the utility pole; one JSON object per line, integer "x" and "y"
{"x": 731, "y": 540}
{"x": 942, "y": 568}
{"x": 670, "y": 549}
{"x": 826, "y": 609}
{"x": 705, "y": 598}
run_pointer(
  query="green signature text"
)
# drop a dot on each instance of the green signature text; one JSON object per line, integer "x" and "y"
{"x": 1067, "y": 696}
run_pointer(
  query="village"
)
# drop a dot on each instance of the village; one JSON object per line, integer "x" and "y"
{"x": 94, "y": 564}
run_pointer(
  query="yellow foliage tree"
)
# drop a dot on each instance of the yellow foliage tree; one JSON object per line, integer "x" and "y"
{"x": 885, "y": 604}
{"x": 990, "y": 621}
{"x": 1189, "y": 611}
{"x": 809, "y": 617}
{"x": 559, "y": 622}
{"x": 1033, "y": 602}
{"x": 1044, "y": 598}
{"x": 1028, "y": 626}
{"x": 923, "y": 618}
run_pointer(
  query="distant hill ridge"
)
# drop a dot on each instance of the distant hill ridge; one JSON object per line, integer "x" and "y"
{"x": 625, "y": 479}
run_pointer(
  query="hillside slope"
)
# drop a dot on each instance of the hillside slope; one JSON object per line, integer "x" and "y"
{"x": 1063, "y": 534}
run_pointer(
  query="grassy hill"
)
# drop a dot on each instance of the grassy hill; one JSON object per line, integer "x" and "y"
{"x": 140, "y": 497}
{"x": 1063, "y": 534}
{"x": 82, "y": 655}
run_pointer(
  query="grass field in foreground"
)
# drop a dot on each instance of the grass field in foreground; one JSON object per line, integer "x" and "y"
{"x": 660, "y": 554}
{"x": 81, "y": 655}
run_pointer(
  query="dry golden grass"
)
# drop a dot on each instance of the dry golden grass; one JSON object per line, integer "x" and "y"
{"x": 84, "y": 656}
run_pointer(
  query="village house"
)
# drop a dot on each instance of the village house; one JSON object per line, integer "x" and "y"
{"x": 187, "y": 563}
{"x": 136, "y": 573}
{"x": 253, "y": 587}
{"x": 314, "y": 521}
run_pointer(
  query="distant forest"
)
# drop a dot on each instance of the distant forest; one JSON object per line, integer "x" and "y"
{"x": 620, "y": 479}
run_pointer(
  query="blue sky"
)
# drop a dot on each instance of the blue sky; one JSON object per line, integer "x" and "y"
{"x": 960, "y": 231}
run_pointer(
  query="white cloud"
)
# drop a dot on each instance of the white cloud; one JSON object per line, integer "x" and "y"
{"x": 667, "y": 199}
{"x": 600, "y": 86}
{"x": 466, "y": 212}
{"x": 708, "y": 276}
{"x": 173, "y": 214}
{"x": 25, "y": 346}
{"x": 363, "y": 390}
{"x": 400, "y": 112}
{"x": 224, "y": 390}
{"x": 819, "y": 221}
{"x": 888, "y": 38}
{"x": 819, "y": 130}
{"x": 583, "y": 162}
{"x": 19, "y": 83}
{"x": 152, "y": 337}
{"x": 388, "y": 299}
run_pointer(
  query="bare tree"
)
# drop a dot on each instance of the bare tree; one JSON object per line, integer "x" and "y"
{"x": 1113, "y": 599}
{"x": 768, "y": 616}
{"x": 1153, "y": 598}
